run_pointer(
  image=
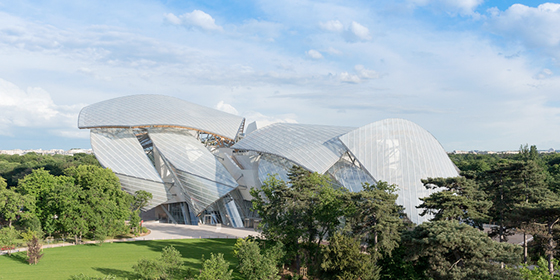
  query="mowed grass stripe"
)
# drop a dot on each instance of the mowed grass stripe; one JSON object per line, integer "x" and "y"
{"x": 111, "y": 258}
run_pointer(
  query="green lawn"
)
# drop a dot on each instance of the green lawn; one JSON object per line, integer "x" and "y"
{"x": 110, "y": 258}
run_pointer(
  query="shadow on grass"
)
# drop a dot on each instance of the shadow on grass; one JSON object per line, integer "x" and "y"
{"x": 117, "y": 272}
{"x": 19, "y": 257}
{"x": 192, "y": 250}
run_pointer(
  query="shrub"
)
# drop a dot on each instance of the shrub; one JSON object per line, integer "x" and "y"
{"x": 215, "y": 268}
{"x": 254, "y": 265}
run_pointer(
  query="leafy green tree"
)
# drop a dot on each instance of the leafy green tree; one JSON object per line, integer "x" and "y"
{"x": 373, "y": 213}
{"x": 215, "y": 268}
{"x": 105, "y": 205}
{"x": 343, "y": 259}
{"x": 14, "y": 205}
{"x": 141, "y": 200}
{"x": 257, "y": 265}
{"x": 538, "y": 272}
{"x": 453, "y": 250}
{"x": 458, "y": 199}
{"x": 8, "y": 238}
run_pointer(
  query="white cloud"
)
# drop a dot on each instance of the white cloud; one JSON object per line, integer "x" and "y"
{"x": 365, "y": 73}
{"x": 360, "y": 31}
{"x": 222, "y": 106}
{"x": 332, "y": 51}
{"x": 32, "y": 108}
{"x": 533, "y": 27}
{"x": 545, "y": 73}
{"x": 349, "y": 78}
{"x": 332, "y": 25}
{"x": 264, "y": 120}
{"x": 314, "y": 54}
{"x": 196, "y": 18}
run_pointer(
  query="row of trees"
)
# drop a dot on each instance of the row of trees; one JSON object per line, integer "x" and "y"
{"x": 85, "y": 200}
{"x": 335, "y": 234}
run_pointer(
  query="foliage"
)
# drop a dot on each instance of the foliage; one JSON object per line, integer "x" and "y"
{"x": 149, "y": 269}
{"x": 538, "y": 272}
{"x": 308, "y": 208}
{"x": 111, "y": 258}
{"x": 373, "y": 213}
{"x": 167, "y": 266}
{"x": 14, "y": 205}
{"x": 8, "y": 238}
{"x": 141, "y": 199}
{"x": 34, "y": 250}
{"x": 215, "y": 268}
{"x": 82, "y": 276}
{"x": 452, "y": 250}
{"x": 457, "y": 198}
{"x": 15, "y": 167}
{"x": 343, "y": 260}
{"x": 397, "y": 266}
{"x": 254, "y": 264}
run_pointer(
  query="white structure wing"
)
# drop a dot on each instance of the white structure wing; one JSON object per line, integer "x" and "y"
{"x": 400, "y": 152}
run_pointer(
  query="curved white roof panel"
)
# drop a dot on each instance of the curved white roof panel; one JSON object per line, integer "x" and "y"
{"x": 314, "y": 147}
{"x": 400, "y": 152}
{"x": 158, "y": 110}
{"x": 119, "y": 149}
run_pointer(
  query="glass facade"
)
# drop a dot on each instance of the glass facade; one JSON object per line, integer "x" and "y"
{"x": 400, "y": 152}
{"x": 173, "y": 149}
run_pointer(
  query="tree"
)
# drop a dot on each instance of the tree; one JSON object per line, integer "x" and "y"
{"x": 257, "y": 265}
{"x": 374, "y": 215}
{"x": 215, "y": 268}
{"x": 343, "y": 260}
{"x": 458, "y": 199}
{"x": 538, "y": 272}
{"x": 34, "y": 250}
{"x": 141, "y": 199}
{"x": 8, "y": 238}
{"x": 454, "y": 250}
{"x": 306, "y": 208}
{"x": 13, "y": 205}
{"x": 544, "y": 215}
{"x": 105, "y": 205}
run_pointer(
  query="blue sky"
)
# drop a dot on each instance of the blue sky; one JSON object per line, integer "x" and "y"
{"x": 476, "y": 74}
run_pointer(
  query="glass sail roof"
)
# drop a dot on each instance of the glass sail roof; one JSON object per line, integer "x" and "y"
{"x": 119, "y": 149}
{"x": 314, "y": 147}
{"x": 150, "y": 110}
{"x": 400, "y": 152}
{"x": 186, "y": 153}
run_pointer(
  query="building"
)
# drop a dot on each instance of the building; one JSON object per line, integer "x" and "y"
{"x": 199, "y": 165}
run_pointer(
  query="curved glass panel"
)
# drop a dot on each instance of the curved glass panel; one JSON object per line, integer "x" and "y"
{"x": 157, "y": 189}
{"x": 146, "y": 110}
{"x": 187, "y": 154}
{"x": 120, "y": 150}
{"x": 270, "y": 164}
{"x": 349, "y": 175}
{"x": 400, "y": 152}
{"x": 314, "y": 147}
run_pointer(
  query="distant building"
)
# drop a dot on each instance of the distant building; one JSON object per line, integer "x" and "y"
{"x": 199, "y": 166}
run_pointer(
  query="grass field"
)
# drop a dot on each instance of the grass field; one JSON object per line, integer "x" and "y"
{"x": 110, "y": 258}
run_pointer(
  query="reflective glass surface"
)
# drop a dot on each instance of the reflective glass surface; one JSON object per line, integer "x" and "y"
{"x": 314, "y": 147}
{"x": 119, "y": 150}
{"x": 146, "y": 110}
{"x": 400, "y": 152}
